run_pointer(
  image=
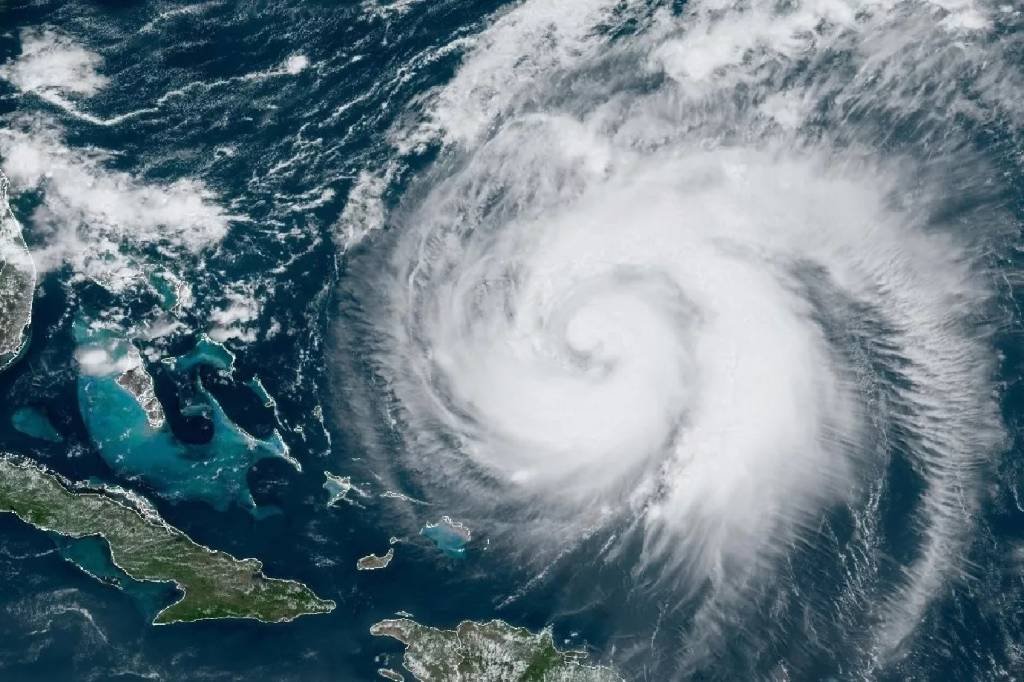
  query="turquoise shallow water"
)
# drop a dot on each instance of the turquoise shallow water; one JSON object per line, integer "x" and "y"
{"x": 281, "y": 111}
{"x": 450, "y": 539}
{"x": 35, "y": 424}
{"x": 216, "y": 468}
{"x": 214, "y": 472}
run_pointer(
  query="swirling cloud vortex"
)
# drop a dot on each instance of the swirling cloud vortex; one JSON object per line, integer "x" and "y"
{"x": 657, "y": 281}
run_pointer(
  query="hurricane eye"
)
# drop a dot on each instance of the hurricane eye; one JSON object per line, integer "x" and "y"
{"x": 692, "y": 289}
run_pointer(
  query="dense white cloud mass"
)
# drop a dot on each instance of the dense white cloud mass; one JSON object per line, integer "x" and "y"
{"x": 92, "y": 216}
{"x": 686, "y": 283}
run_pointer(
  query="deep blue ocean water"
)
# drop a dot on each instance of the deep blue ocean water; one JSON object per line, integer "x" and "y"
{"x": 285, "y": 150}
{"x": 58, "y": 622}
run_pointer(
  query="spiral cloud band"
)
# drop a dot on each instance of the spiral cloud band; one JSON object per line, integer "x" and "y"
{"x": 674, "y": 280}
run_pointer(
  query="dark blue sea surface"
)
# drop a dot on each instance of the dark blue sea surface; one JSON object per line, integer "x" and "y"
{"x": 277, "y": 112}
{"x": 59, "y": 623}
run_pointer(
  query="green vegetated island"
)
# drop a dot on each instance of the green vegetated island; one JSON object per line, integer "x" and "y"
{"x": 486, "y": 652}
{"x": 214, "y": 584}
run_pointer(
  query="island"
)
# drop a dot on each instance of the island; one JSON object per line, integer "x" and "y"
{"x": 451, "y": 537}
{"x": 213, "y": 584}
{"x": 17, "y": 283}
{"x": 372, "y": 562}
{"x": 338, "y": 488}
{"x": 487, "y": 652}
{"x": 126, "y": 422}
{"x": 137, "y": 381}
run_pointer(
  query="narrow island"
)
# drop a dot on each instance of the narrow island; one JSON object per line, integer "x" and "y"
{"x": 372, "y": 562}
{"x": 214, "y": 584}
{"x": 487, "y": 652}
{"x": 17, "y": 283}
{"x": 137, "y": 381}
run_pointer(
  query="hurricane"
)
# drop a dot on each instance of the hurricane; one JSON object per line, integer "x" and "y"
{"x": 687, "y": 291}
{"x": 486, "y": 340}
